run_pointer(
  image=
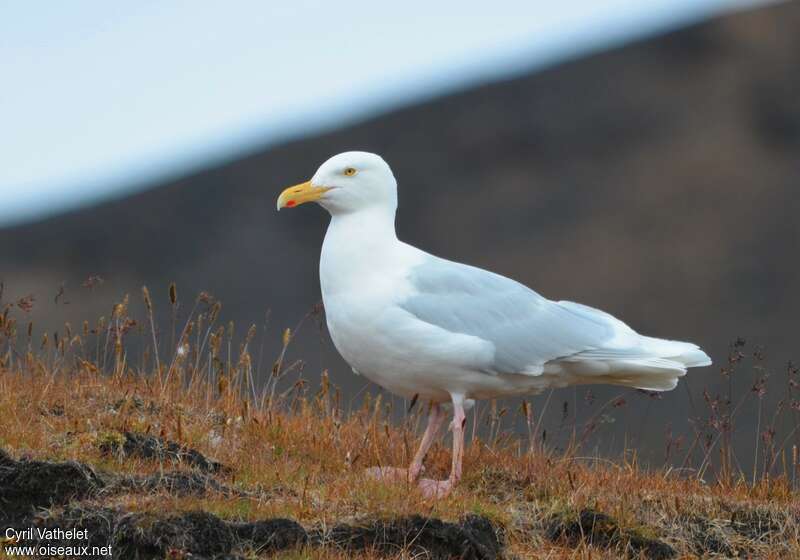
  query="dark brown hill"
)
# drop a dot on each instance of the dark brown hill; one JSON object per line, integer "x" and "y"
{"x": 659, "y": 181}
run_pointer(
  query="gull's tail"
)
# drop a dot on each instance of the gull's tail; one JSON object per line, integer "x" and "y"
{"x": 654, "y": 365}
{"x": 642, "y": 362}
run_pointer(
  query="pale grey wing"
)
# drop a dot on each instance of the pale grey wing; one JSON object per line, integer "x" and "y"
{"x": 526, "y": 329}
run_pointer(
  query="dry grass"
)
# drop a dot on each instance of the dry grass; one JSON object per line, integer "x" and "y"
{"x": 296, "y": 453}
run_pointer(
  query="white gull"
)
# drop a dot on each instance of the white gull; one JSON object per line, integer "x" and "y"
{"x": 443, "y": 332}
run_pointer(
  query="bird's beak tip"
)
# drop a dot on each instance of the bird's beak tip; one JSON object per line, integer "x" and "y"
{"x": 300, "y": 194}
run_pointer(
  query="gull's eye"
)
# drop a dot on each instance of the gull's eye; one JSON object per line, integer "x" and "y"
{"x": 350, "y": 171}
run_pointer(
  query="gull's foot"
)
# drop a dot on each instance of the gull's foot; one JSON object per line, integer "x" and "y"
{"x": 436, "y": 489}
{"x": 388, "y": 474}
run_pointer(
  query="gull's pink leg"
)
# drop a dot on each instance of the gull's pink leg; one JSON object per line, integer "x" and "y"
{"x": 435, "y": 419}
{"x": 441, "y": 488}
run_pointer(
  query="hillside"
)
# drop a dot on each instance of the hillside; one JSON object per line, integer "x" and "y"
{"x": 657, "y": 181}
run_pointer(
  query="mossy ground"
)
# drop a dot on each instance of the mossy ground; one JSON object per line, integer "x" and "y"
{"x": 305, "y": 462}
{"x": 193, "y": 441}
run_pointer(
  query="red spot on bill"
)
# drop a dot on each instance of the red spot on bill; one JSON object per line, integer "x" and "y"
{"x": 291, "y": 203}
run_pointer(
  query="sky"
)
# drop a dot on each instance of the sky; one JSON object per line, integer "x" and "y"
{"x": 99, "y": 98}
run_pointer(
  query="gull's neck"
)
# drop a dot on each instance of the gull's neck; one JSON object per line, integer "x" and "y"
{"x": 357, "y": 244}
{"x": 368, "y": 226}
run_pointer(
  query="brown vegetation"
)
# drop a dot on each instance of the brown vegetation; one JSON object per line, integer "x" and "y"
{"x": 97, "y": 432}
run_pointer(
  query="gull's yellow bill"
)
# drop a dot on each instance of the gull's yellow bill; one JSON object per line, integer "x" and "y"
{"x": 300, "y": 194}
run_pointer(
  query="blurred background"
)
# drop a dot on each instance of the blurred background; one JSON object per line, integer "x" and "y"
{"x": 639, "y": 157}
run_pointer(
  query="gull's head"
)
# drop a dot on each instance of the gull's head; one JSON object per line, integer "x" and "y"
{"x": 347, "y": 182}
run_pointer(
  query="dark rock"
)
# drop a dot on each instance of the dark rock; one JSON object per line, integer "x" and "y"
{"x": 188, "y": 535}
{"x": 139, "y": 535}
{"x": 100, "y": 524}
{"x": 196, "y": 532}
{"x": 177, "y": 483}
{"x": 473, "y": 539}
{"x": 144, "y": 446}
{"x": 599, "y": 529}
{"x": 484, "y": 534}
{"x": 272, "y": 535}
{"x": 27, "y": 485}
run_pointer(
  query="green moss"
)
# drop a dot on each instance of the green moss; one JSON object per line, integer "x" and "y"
{"x": 495, "y": 513}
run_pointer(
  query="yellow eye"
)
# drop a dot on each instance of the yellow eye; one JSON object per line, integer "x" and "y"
{"x": 350, "y": 171}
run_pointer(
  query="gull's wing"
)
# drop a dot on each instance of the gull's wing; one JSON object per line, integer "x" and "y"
{"x": 526, "y": 329}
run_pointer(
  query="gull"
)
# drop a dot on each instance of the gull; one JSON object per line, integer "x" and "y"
{"x": 427, "y": 328}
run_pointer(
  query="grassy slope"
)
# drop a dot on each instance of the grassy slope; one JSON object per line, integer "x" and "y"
{"x": 300, "y": 456}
